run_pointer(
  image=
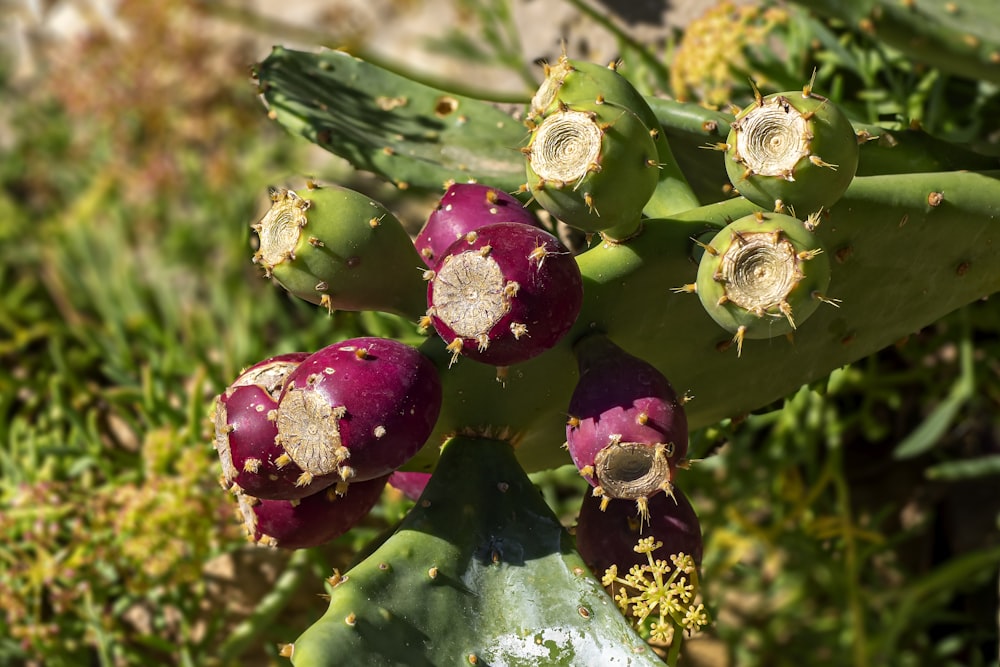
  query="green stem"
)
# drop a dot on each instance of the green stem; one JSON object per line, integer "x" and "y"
{"x": 249, "y": 631}
{"x": 852, "y": 567}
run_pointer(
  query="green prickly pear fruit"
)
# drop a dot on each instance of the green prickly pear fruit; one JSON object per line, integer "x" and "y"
{"x": 762, "y": 276}
{"x": 340, "y": 249}
{"x": 572, "y": 82}
{"x": 794, "y": 150}
{"x": 594, "y": 167}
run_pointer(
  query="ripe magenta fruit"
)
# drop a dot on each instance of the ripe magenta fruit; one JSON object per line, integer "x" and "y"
{"x": 359, "y": 408}
{"x": 465, "y": 207}
{"x": 608, "y": 537}
{"x": 411, "y": 484}
{"x": 245, "y": 433}
{"x": 311, "y": 521}
{"x": 504, "y": 293}
{"x": 627, "y": 430}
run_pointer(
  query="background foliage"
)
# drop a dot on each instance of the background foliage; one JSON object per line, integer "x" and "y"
{"x": 854, "y": 523}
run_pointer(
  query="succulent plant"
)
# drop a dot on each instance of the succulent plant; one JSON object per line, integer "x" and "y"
{"x": 479, "y": 572}
{"x": 464, "y": 208}
{"x": 359, "y": 408}
{"x": 504, "y": 293}
{"x": 885, "y": 226}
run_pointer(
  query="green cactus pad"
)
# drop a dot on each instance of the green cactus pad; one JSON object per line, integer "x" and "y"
{"x": 337, "y": 248}
{"x": 479, "y": 573}
{"x": 763, "y": 275}
{"x": 572, "y": 82}
{"x": 409, "y": 133}
{"x": 594, "y": 167}
{"x": 792, "y": 150}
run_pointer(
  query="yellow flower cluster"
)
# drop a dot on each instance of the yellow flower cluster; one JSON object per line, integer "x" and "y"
{"x": 661, "y": 592}
{"x": 711, "y": 53}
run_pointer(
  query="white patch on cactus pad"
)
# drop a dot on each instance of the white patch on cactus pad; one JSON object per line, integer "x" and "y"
{"x": 556, "y": 646}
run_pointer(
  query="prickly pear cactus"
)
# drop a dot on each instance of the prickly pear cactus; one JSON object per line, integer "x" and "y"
{"x": 876, "y": 234}
{"x": 479, "y": 573}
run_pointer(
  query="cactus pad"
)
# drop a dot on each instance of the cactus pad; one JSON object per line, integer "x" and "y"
{"x": 458, "y": 583}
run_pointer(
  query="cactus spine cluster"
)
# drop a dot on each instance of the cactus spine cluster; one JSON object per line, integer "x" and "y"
{"x": 879, "y": 226}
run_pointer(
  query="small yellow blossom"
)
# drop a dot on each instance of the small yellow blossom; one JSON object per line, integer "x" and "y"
{"x": 660, "y": 595}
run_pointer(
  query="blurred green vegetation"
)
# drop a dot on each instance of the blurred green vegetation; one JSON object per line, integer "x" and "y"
{"x": 855, "y": 523}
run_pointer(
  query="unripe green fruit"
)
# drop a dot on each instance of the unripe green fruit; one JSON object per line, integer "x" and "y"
{"x": 575, "y": 82}
{"x": 762, "y": 276}
{"x": 340, "y": 249}
{"x": 793, "y": 150}
{"x": 593, "y": 167}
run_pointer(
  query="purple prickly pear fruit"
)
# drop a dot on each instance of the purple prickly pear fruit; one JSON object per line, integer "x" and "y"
{"x": 606, "y": 537}
{"x": 359, "y": 408}
{"x": 627, "y": 430}
{"x": 464, "y": 208}
{"x": 245, "y": 431}
{"x": 504, "y": 294}
{"x": 410, "y": 484}
{"x": 310, "y": 521}
{"x": 271, "y": 372}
